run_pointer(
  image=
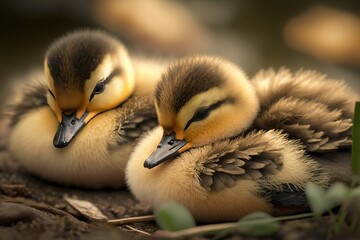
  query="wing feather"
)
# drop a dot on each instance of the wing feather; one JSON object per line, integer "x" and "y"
{"x": 252, "y": 158}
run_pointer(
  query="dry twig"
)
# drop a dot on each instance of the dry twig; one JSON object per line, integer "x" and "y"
{"x": 137, "y": 230}
{"x": 123, "y": 221}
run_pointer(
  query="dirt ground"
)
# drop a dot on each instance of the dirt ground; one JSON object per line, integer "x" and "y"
{"x": 31, "y": 208}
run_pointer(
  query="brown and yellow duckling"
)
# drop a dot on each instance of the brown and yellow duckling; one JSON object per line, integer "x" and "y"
{"x": 77, "y": 123}
{"x": 227, "y": 146}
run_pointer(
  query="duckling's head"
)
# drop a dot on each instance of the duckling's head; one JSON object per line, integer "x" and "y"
{"x": 88, "y": 72}
{"x": 200, "y": 100}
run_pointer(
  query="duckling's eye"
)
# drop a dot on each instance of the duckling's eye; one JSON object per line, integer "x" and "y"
{"x": 199, "y": 115}
{"x": 99, "y": 88}
{"x": 204, "y": 112}
{"x": 52, "y": 94}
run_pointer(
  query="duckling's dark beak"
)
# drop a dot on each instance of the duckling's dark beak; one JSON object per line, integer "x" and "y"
{"x": 168, "y": 147}
{"x": 68, "y": 128}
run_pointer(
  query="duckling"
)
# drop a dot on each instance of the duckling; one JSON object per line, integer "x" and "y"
{"x": 77, "y": 122}
{"x": 226, "y": 146}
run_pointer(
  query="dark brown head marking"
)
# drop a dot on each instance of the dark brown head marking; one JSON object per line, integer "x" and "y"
{"x": 72, "y": 58}
{"x": 185, "y": 79}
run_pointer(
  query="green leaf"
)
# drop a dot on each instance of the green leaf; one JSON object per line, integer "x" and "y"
{"x": 315, "y": 195}
{"x": 355, "y": 156}
{"x": 336, "y": 195}
{"x": 258, "y": 224}
{"x": 353, "y": 209}
{"x": 173, "y": 217}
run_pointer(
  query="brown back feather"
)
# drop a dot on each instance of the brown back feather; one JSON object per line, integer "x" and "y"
{"x": 307, "y": 106}
{"x": 26, "y": 97}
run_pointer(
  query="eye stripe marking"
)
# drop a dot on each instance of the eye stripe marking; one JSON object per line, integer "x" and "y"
{"x": 204, "y": 112}
{"x": 100, "y": 86}
{"x": 52, "y": 94}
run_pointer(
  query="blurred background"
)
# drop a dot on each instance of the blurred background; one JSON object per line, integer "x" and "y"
{"x": 317, "y": 35}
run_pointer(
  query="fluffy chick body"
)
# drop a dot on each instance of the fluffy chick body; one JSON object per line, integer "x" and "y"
{"x": 242, "y": 155}
{"x": 97, "y": 155}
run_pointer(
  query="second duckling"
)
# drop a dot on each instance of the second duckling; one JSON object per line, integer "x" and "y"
{"x": 76, "y": 123}
{"x": 227, "y": 146}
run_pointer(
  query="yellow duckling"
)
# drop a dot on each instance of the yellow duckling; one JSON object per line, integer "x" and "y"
{"x": 77, "y": 123}
{"x": 225, "y": 146}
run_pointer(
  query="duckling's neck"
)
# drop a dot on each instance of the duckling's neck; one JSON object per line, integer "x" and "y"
{"x": 246, "y": 104}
